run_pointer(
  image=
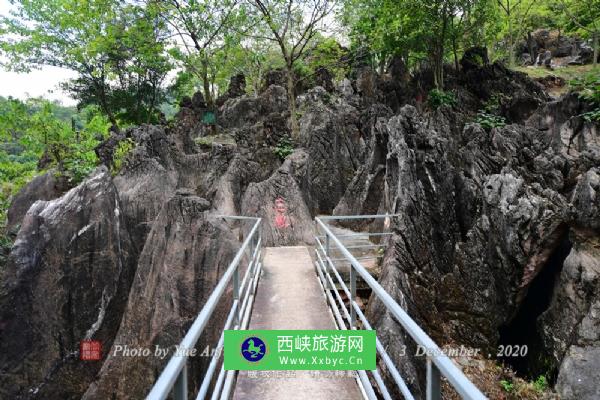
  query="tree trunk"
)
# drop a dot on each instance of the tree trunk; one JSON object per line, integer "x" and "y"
{"x": 206, "y": 86}
{"x": 382, "y": 64}
{"x": 104, "y": 106}
{"x": 530, "y": 46}
{"x": 511, "y": 46}
{"x": 292, "y": 103}
{"x": 111, "y": 116}
{"x": 438, "y": 66}
{"x": 455, "y": 53}
{"x": 595, "y": 45}
{"x": 438, "y": 75}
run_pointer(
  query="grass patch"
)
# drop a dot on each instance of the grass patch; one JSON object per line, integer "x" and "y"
{"x": 209, "y": 141}
{"x": 568, "y": 73}
{"x": 498, "y": 381}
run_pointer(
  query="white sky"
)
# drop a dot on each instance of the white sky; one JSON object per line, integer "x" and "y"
{"x": 42, "y": 82}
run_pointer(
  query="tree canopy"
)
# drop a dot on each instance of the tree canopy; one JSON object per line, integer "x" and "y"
{"x": 118, "y": 50}
{"x": 133, "y": 56}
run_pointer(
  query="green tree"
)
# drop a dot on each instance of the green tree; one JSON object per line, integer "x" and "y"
{"x": 328, "y": 53}
{"x": 417, "y": 29}
{"x": 206, "y": 31}
{"x": 13, "y": 119}
{"x": 386, "y": 28}
{"x": 515, "y": 13}
{"x": 115, "y": 47}
{"x": 253, "y": 58}
{"x": 584, "y": 18}
{"x": 472, "y": 26}
{"x": 38, "y": 129}
{"x": 292, "y": 25}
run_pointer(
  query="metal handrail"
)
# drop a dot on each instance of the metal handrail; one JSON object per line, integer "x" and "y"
{"x": 437, "y": 366}
{"x": 174, "y": 376}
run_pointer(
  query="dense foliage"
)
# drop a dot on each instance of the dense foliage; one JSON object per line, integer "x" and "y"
{"x": 588, "y": 87}
{"x": 124, "y": 51}
{"x": 438, "y": 98}
{"x": 38, "y": 135}
{"x": 117, "y": 48}
{"x": 434, "y": 32}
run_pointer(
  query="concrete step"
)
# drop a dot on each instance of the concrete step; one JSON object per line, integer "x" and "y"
{"x": 289, "y": 296}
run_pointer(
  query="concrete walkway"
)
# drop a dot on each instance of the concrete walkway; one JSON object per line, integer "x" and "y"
{"x": 289, "y": 297}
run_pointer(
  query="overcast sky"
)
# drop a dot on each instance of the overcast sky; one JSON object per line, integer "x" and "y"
{"x": 42, "y": 82}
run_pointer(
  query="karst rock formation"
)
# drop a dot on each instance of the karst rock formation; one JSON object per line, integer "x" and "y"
{"x": 496, "y": 232}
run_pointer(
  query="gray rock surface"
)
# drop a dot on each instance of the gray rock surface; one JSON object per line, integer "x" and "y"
{"x": 572, "y": 384}
{"x": 570, "y": 327}
{"x": 329, "y": 131}
{"x": 364, "y": 194}
{"x": 184, "y": 256}
{"x": 288, "y": 222}
{"x": 67, "y": 279}
{"x": 44, "y": 187}
{"x": 480, "y": 216}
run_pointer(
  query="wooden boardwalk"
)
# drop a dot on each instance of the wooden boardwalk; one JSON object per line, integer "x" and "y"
{"x": 289, "y": 296}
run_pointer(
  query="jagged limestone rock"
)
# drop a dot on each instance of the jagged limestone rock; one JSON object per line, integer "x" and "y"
{"x": 44, "y": 187}
{"x": 67, "y": 279}
{"x": 279, "y": 201}
{"x": 481, "y": 215}
{"x": 184, "y": 256}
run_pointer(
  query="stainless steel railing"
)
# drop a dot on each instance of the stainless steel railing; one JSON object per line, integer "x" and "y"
{"x": 437, "y": 366}
{"x": 174, "y": 377}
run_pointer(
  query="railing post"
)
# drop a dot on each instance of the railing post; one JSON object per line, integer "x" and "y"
{"x": 236, "y": 294}
{"x": 252, "y": 247}
{"x": 434, "y": 387}
{"x": 352, "y": 297}
{"x": 252, "y": 266}
{"x": 327, "y": 252}
{"x": 181, "y": 385}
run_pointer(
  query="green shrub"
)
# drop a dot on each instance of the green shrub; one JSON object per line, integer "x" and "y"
{"x": 540, "y": 384}
{"x": 489, "y": 121}
{"x": 15, "y": 172}
{"x": 79, "y": 158}
{"x": 492, "y": 105}
{"x": 588, "y": 88}
{"x": 508, "y": 386}
{"x": 32, "y": 130}
{"x": 592, "y": 116}
{"x": 284, "y": 148}
{"x": 121, "y": 153}
{"x": 477, "y": 59}
{"x": 438, "y": 98}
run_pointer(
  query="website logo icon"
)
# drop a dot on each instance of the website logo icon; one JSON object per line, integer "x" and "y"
{"x": 253, "y": 349}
